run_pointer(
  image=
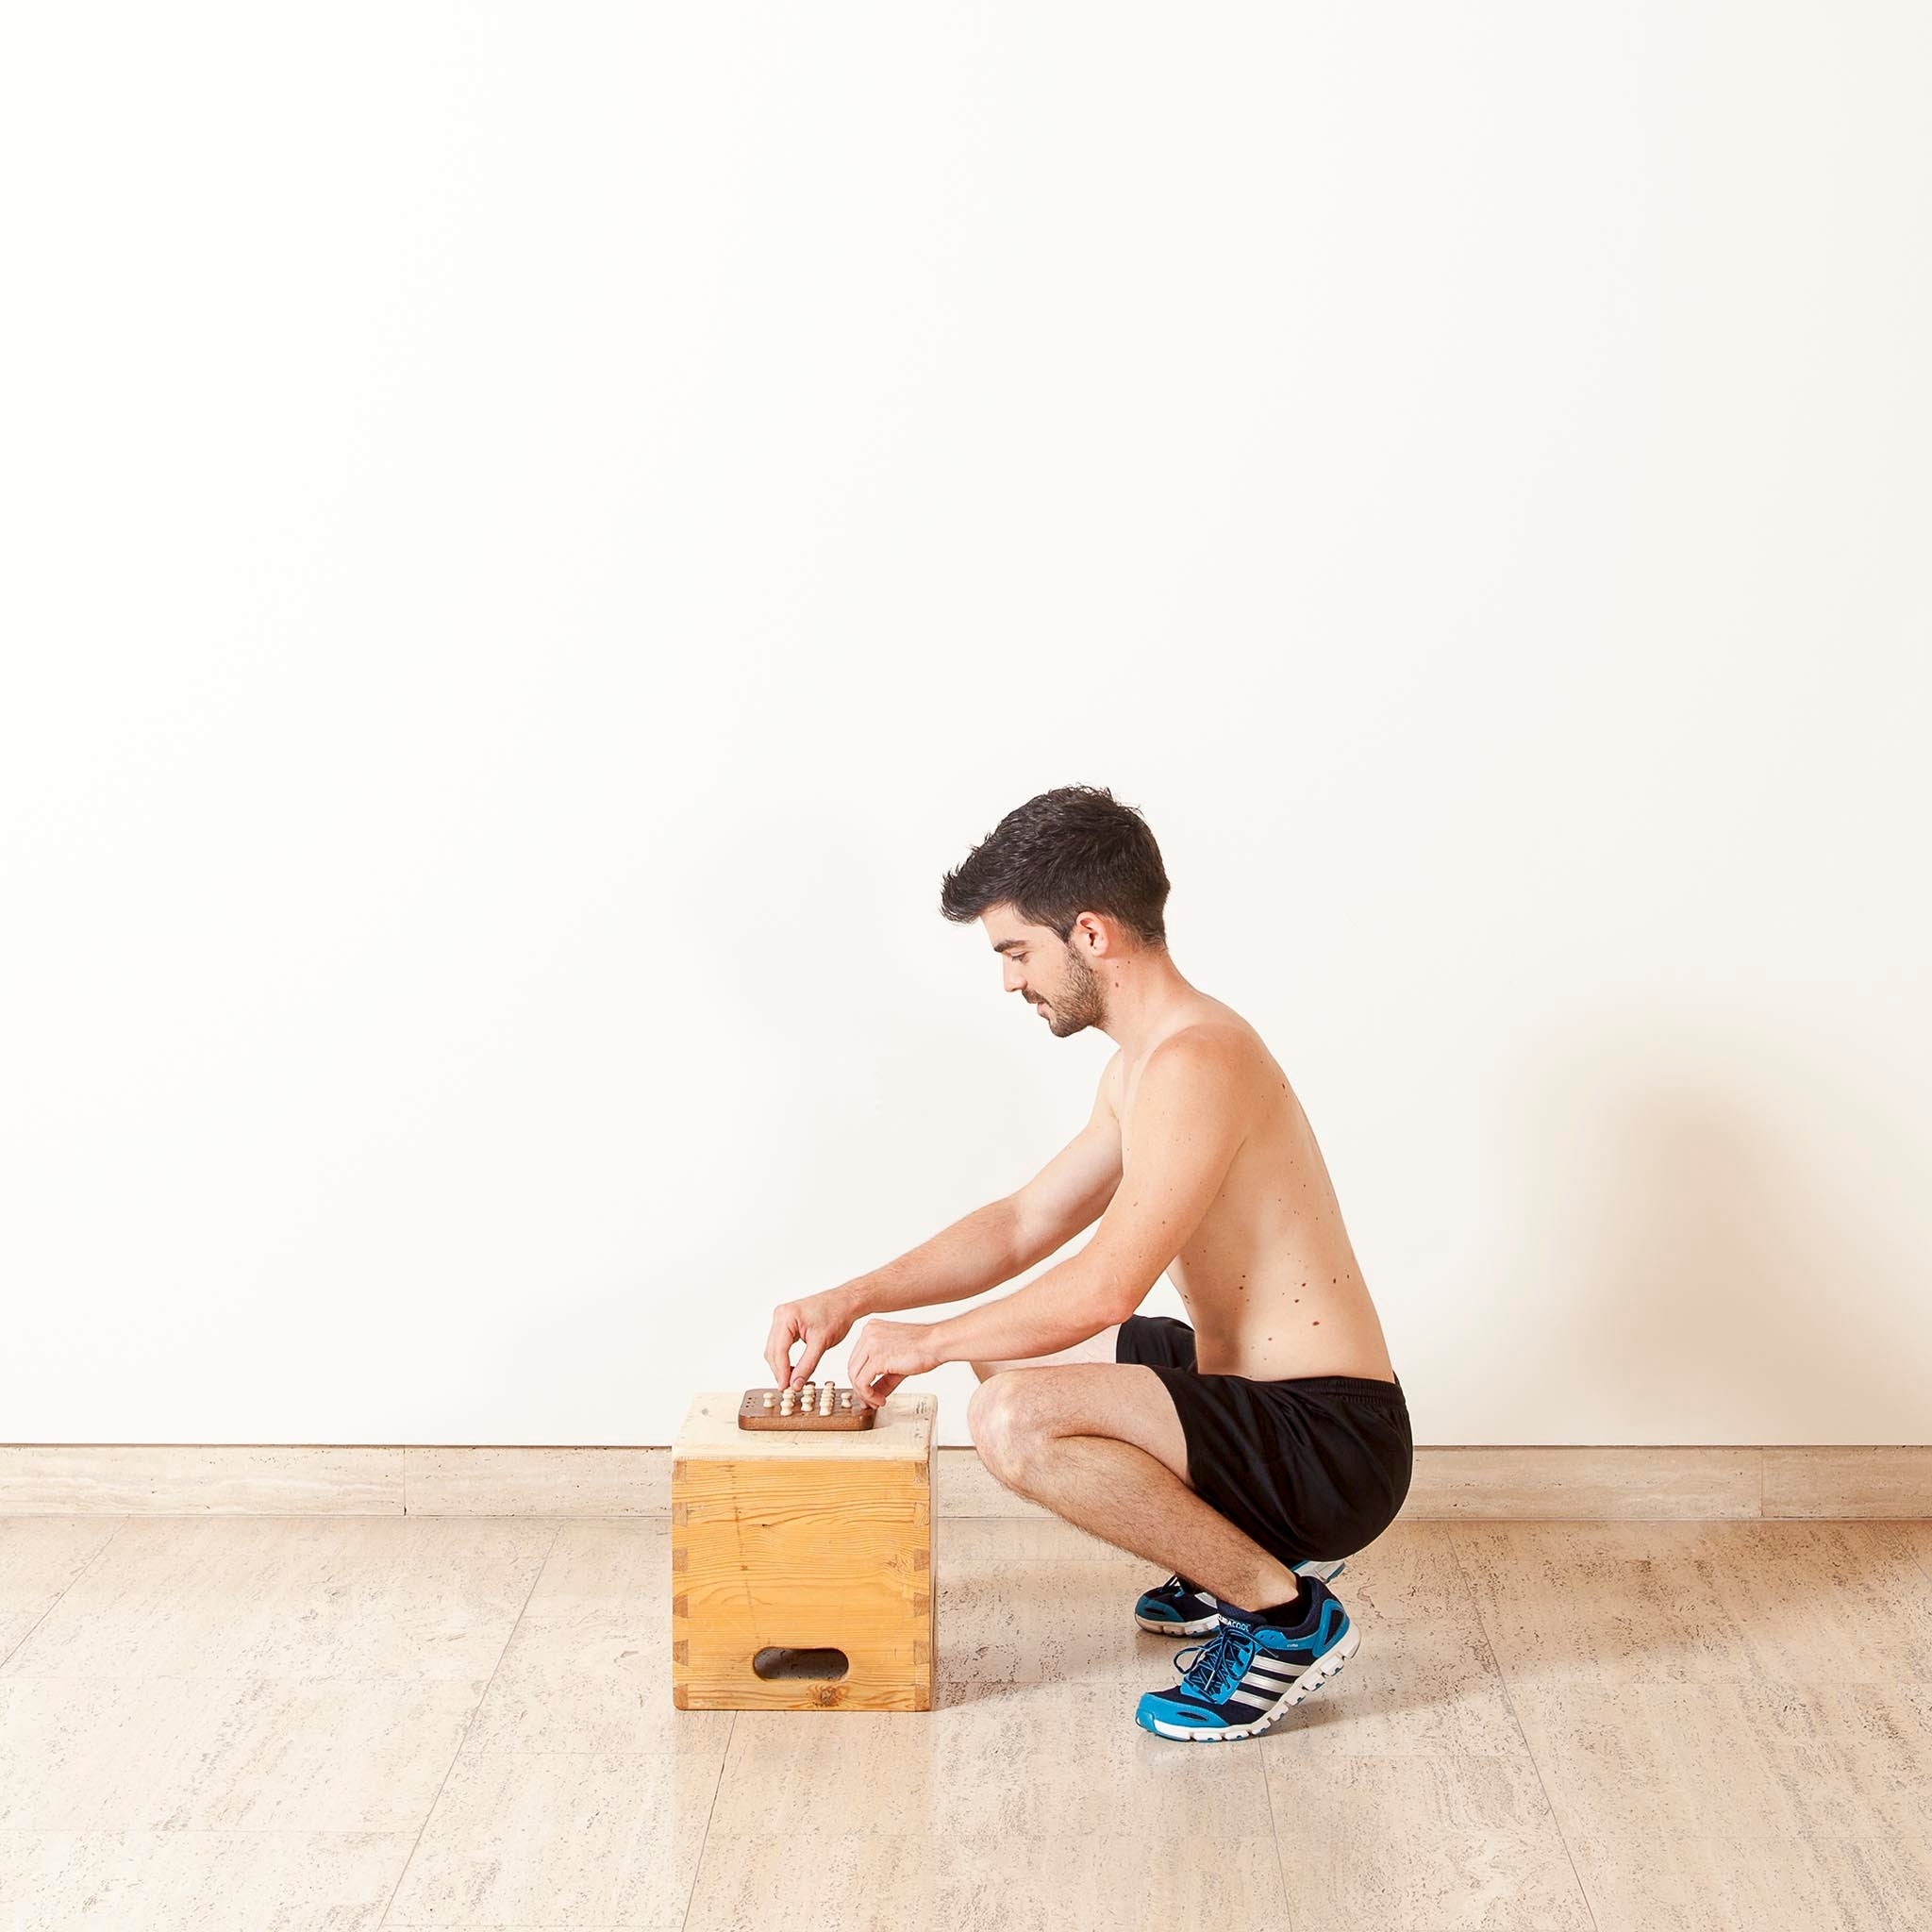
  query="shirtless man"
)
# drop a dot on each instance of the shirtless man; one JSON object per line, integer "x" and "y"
{"x": 1242, "y": 1451}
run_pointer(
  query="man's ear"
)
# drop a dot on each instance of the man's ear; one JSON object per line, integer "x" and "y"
{"x": 1091, "y": 934}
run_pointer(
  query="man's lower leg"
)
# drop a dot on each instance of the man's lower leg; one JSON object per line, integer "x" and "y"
{"x": 1121, "y": 1494}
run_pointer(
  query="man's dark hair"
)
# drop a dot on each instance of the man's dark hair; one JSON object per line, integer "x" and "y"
{"x": 1071, "y": 849}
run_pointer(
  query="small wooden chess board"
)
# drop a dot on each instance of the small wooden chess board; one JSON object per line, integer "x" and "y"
{"x": 821, "y": 1406}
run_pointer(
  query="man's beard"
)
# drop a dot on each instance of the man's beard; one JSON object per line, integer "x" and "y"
{"x": 1081, "y": 1001}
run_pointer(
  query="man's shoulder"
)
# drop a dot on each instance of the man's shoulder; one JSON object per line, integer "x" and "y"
{"x": 1222, "y": 1043}
{"x": 1200, "y": 1068}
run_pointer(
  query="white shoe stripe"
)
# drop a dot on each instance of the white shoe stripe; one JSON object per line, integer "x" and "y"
{"x": 1274, "y": 1685}
{"x": 1274, "y": 1666}
{"x": 1242, "y": 1697}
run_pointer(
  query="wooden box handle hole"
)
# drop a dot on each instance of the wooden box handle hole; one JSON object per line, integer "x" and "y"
{"x": 784, "y": 1660}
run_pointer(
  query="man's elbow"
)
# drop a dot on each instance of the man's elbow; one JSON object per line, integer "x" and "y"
{"x": 1117, "y": 1284}
{"x": 1122, "y": 1299}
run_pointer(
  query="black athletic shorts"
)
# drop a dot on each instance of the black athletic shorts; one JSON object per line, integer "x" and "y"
{"x": 1315, "y": 1466}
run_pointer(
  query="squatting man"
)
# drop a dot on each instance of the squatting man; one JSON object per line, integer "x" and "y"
{"x": 1246, "y": 1449}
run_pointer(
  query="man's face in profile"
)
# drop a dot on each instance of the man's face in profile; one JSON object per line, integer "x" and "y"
{"x": 1045, "y": 972}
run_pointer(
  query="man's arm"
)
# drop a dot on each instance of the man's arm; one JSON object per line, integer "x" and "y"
{"x": 1187, "y": 1128}
{"x": 998, "y": 1241}
{"x": 991, "y": 1245}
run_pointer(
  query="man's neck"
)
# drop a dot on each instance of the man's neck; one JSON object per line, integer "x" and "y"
{"x": 1143, "y": 1000}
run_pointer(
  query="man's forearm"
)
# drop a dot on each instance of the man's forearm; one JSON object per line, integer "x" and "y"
{"x": 979, "y": 1251}
{"x": 1052, "y": 1311}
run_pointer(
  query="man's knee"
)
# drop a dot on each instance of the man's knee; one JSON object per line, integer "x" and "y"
{"x": 982, "y": 1413}
{"x": 986, "y": 1422}
{"x": 1006, "y": 1421}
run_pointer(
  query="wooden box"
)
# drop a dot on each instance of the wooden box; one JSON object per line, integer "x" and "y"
{"x": 788, "y": 1542}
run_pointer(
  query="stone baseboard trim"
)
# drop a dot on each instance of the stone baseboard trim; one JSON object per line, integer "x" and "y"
{"x": 1532, "y": 1484}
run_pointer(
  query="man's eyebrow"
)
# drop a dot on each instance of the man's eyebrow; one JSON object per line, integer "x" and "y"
{"x": 1001, "y": 945}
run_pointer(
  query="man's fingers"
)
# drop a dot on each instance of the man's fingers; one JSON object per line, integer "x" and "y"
{"x": 872, "y": 1394}
{"x": 778, "y": 1347}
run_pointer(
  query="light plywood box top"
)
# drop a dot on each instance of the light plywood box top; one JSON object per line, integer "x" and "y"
{"x": 902, "y": 1431}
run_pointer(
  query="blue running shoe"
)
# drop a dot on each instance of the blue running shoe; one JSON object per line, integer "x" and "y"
{"x": 1248, "y": 1673}
{"x": 1180, "y": 1609}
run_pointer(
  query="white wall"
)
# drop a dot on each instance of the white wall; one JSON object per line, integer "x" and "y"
{"x": 538, "y": 534}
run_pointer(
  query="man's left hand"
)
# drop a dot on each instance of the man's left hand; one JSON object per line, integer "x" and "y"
{"x": 885, "y": 1354}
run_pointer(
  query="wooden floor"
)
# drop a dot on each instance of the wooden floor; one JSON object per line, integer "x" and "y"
{"x": 346, "y": 1723}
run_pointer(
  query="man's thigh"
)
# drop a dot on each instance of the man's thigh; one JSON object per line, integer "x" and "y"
{"x": 1096, "y": 1348}
{"x": 1126, "y": 1401}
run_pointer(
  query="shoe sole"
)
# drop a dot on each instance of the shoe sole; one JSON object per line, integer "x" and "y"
{"x": 1162, "y": 1628}
{"x": 1310, "y": 1680}
{"x": 1201, "y": 1626}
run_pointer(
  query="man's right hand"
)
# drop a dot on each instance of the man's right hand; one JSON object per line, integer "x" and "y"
{"x": 819, "y": 1321}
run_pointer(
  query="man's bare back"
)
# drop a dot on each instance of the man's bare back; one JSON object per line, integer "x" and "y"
{"x": 1269, "y": 1277}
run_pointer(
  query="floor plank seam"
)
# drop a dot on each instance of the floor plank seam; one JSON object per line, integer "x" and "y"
{"x": 1516, "y": 1718}
{"x": 27, "y": 1638}
{"x": 464, "y": 1737}
{"x": 1280, "y": 1853}
{"x": 697, "y": 1869}
{"x": 1923, "y": 1557}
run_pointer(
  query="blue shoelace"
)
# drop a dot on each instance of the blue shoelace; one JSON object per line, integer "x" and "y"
{"x": 1219, "y": 1664}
